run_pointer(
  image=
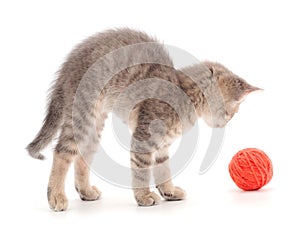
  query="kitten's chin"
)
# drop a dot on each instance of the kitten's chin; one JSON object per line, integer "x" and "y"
{"x": 214, "y": 122}
{"x": 219, "y": 126}
{"x": 215, "y": 125}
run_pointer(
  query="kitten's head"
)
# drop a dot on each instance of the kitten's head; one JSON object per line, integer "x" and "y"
{"x": 232, "y": 91}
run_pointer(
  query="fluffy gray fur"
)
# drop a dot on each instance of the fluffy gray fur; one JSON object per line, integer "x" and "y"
{"x": 81, "y": 99}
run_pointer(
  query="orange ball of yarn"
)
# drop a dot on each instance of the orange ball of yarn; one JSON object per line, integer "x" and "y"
{"x": 251, "y": 169}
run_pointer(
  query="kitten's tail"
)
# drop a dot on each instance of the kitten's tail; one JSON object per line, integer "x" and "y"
{"x": 51, "y": 123}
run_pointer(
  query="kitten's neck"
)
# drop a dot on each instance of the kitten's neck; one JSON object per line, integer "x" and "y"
{"x": 193, "y": 80}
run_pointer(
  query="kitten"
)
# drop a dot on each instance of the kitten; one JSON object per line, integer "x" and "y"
{"x": 79, "y": 105}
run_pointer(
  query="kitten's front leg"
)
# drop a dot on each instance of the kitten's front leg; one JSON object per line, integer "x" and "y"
{"x": 141, "y": 172}
{"x": 163, "y": 177}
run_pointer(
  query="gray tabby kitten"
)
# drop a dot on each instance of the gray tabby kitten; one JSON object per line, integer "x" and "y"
{"x": 82, "y": 96}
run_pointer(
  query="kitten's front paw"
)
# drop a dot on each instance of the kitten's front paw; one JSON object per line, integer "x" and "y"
{"x": 89, "y": 194}
{"x": 57, "y": 201}
{"x": 148, "y": 199}
{"x": 172, "y": 193}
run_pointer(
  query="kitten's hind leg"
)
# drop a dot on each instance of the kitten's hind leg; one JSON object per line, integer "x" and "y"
{"x": 56, "y": 187}
{"x": 82, "y": 181}
{"x": 163, "y": 177}
{"x": 82, "y": 162}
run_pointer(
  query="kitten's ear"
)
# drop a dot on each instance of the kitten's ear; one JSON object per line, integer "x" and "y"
{"x": 210, "y": 66}
{"x": 213, "y": 76}
{"x": 211, "y": 69}
{"x": 246, "y": 89}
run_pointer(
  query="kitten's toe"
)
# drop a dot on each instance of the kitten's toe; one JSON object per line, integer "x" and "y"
{"x": 148, "y": 199}
{"x": 58, "y": 201}
{"x": 174, "y": 193}
{"x": 89, "y": 194}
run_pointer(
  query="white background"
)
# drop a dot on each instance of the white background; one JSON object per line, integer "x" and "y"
{"x": 258, "y": 40}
